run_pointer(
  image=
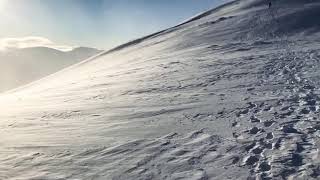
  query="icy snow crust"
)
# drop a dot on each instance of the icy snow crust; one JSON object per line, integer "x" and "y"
{"x": 230, "y": 94}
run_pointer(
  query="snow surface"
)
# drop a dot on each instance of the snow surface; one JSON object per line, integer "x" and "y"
{"x": 230, "y": 94}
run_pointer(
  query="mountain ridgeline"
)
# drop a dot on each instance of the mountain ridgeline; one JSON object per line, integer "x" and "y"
{"x": 21, "y": 66}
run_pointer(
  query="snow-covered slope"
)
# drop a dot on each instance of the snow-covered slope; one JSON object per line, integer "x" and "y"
{"x": 230, "y": 94}
{"x": 22, "y": 66}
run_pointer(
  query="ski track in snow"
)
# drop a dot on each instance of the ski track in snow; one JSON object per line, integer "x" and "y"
{"x": 208, "y": 99}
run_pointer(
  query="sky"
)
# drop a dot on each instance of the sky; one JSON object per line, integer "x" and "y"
{"x": 103, "y": 24}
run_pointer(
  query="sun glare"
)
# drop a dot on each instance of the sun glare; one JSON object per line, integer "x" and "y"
{"x": 2, "y": 4}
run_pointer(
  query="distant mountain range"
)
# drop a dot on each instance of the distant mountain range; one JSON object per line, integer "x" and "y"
{"x": 22, "y": 66}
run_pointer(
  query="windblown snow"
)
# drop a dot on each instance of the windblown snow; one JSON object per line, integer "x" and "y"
{"x": 230, "y": 94}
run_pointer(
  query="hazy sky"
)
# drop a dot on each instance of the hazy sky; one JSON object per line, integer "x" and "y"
{"x": 95, "y": 23}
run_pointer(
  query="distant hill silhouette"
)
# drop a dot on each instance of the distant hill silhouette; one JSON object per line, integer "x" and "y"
{"x": 22, "y": 66}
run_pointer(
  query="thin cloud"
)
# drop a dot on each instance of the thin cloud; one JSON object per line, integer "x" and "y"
{"x": 32, "y": 41}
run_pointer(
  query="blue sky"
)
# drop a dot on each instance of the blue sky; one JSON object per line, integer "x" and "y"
{"x": 95, "y": 23}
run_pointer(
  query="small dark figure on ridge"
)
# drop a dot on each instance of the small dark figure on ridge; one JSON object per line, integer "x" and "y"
{"x": 270, "y": 4}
